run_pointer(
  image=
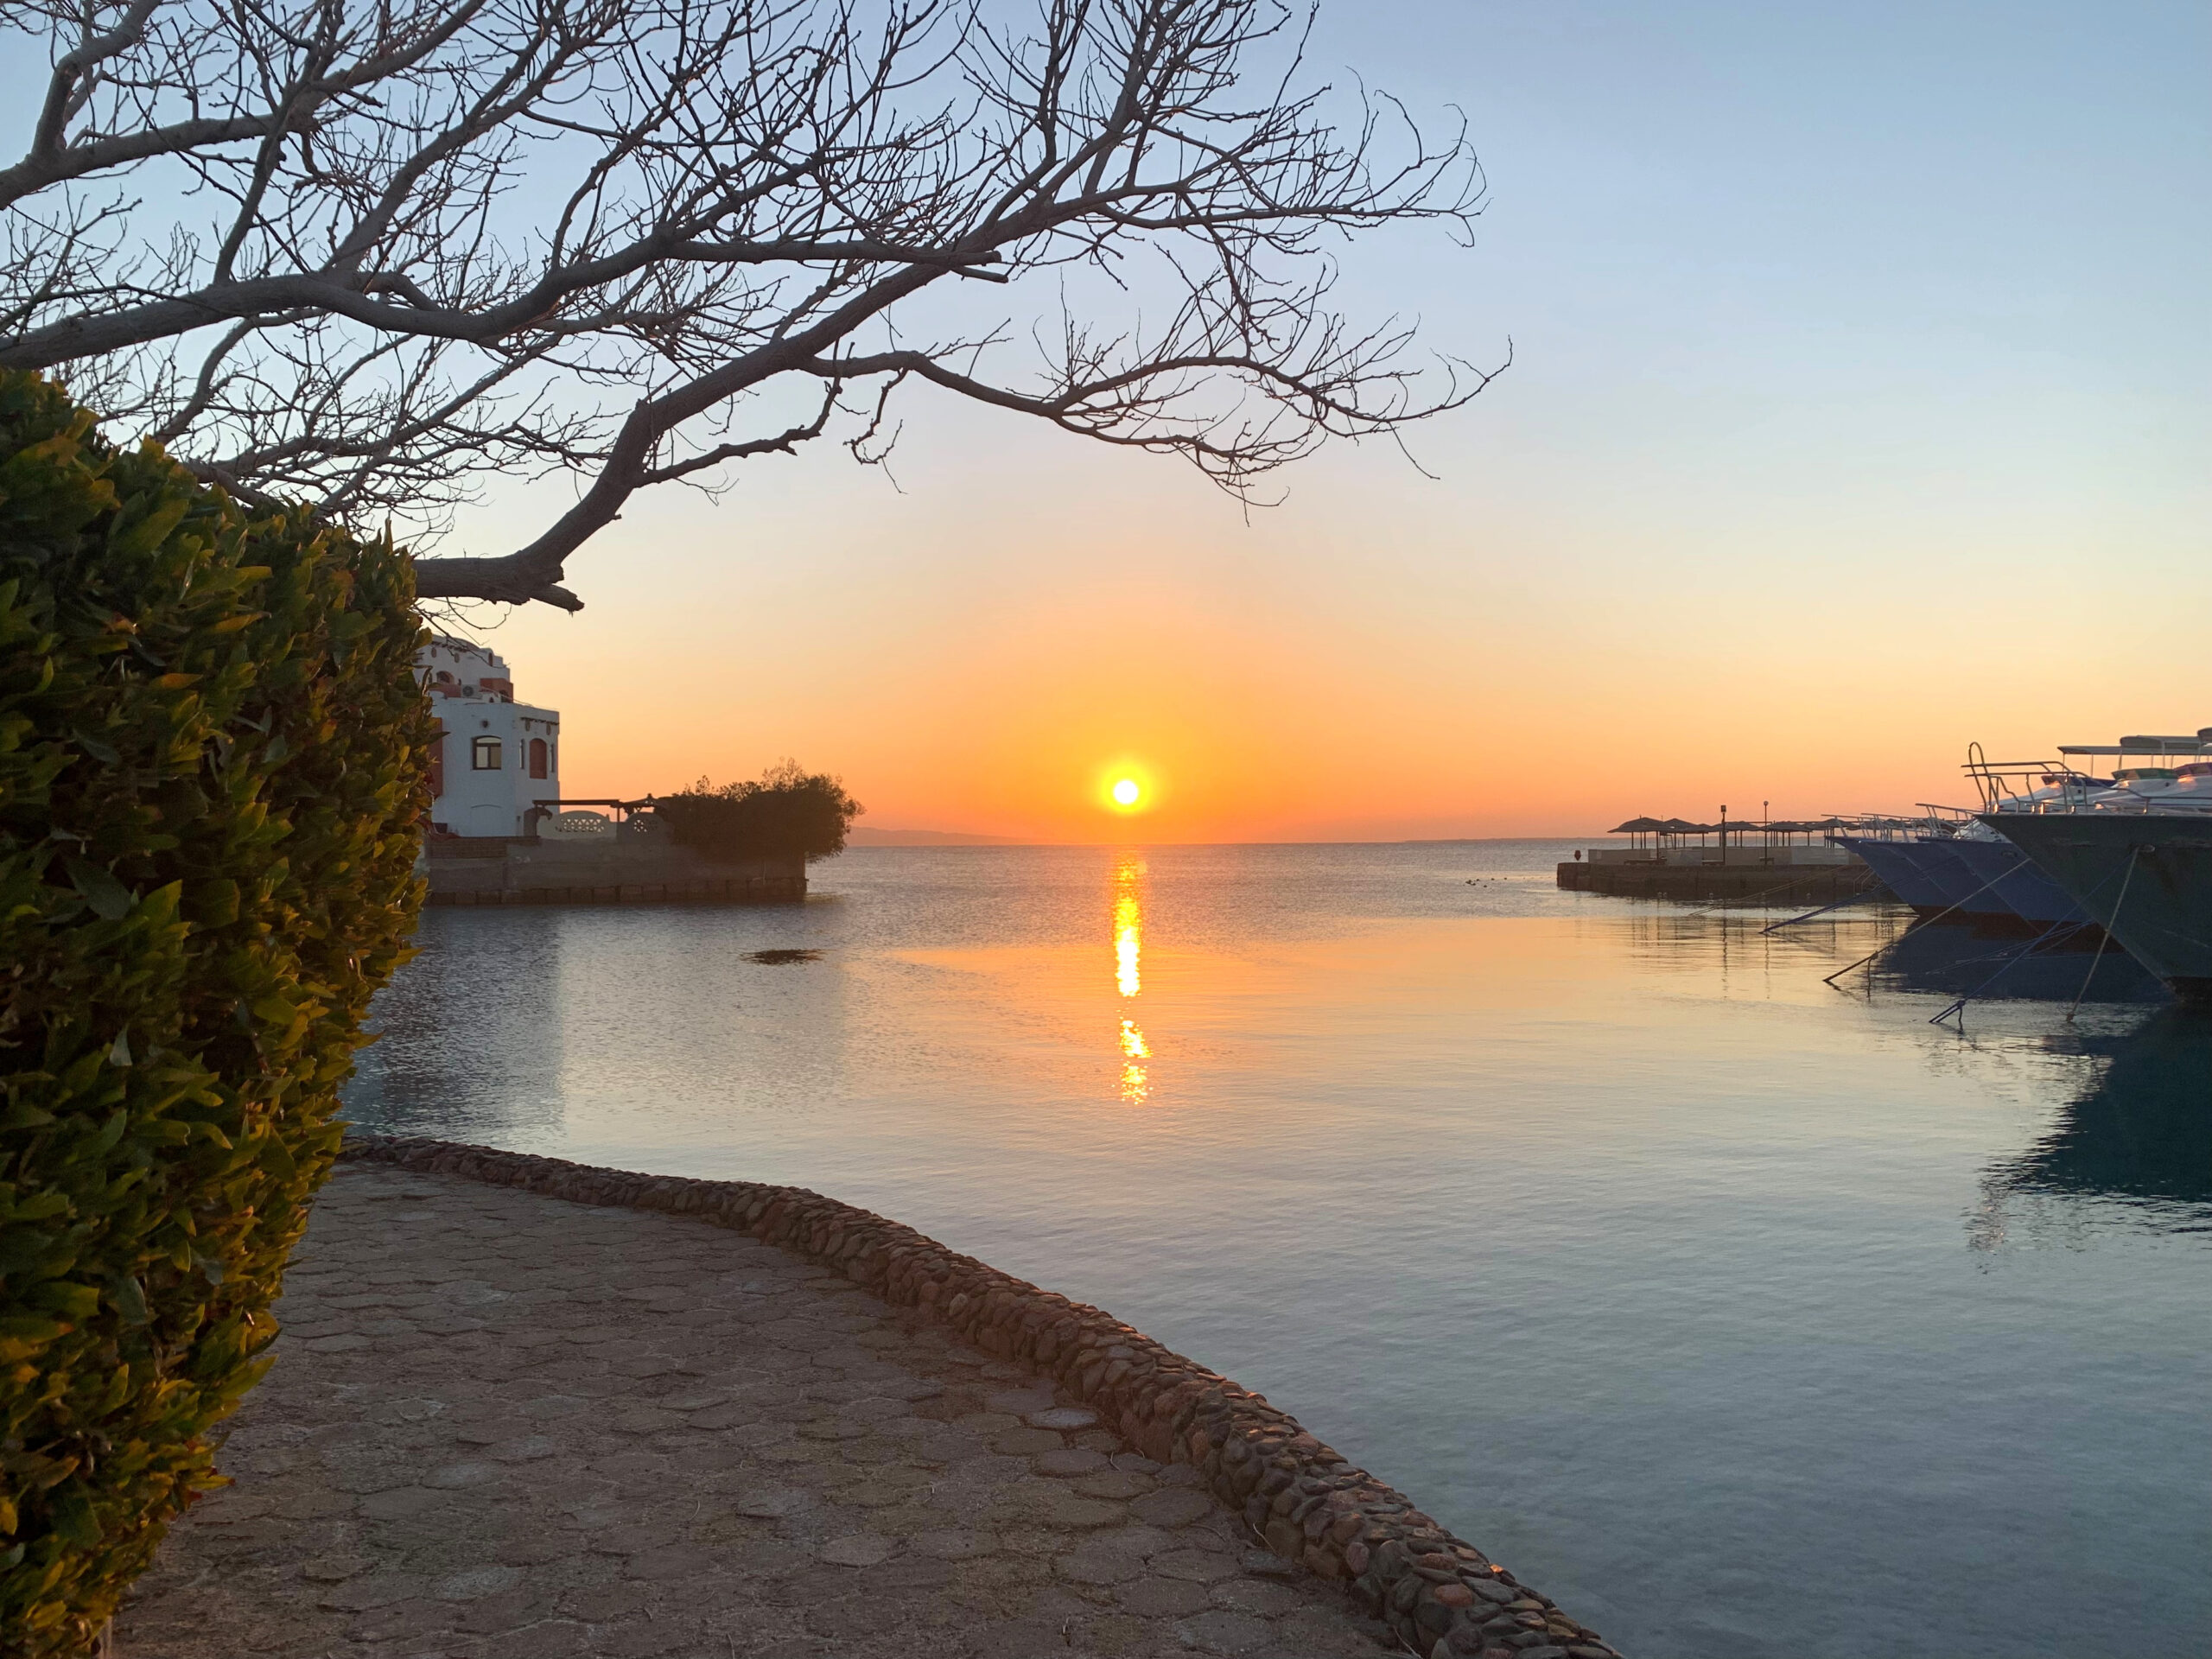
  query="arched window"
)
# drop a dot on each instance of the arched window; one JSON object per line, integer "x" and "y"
{"x": 484, "y": 754}
{"x": 538, "y": 757}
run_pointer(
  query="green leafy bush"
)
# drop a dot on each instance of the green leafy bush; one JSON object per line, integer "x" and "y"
{"x": 790, "y": 812}
{"x": 212, "y": 764}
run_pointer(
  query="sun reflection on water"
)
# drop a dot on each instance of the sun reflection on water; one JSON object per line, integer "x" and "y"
{"x": 1128, "y": 945}
{"x": 1128, "y": 940}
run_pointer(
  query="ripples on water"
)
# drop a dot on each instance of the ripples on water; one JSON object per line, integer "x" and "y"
{"x": 1747, "y": 1316}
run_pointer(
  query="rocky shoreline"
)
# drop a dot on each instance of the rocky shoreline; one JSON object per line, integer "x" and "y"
{"x": 1442, "y": 1597}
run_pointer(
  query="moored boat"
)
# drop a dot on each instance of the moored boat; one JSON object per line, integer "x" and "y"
{"x": 2145, "y": 875}
{"x": 1898, "y": 869}
{"x": 1936, "y": 872}
{"x": 2013, "y": 879}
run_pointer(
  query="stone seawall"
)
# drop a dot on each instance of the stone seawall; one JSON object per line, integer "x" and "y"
{"x": 1741, "y": 884}
{"x": 1442, "y": 1596}
{"x": 613, "y": 870}
{"x": 733, "y": 889}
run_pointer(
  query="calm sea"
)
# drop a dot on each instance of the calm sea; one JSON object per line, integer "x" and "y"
{"x": 1746, "y": 1315}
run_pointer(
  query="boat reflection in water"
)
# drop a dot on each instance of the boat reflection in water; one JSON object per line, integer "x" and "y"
{"x": 2138, "y": 1140}
{"x": 1958, "y": 959}
{"x": 2132, "y": 1147}
{"x": 1128, "y": 948}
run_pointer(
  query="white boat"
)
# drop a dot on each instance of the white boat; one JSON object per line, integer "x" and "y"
{"x": 2138, "y": 856}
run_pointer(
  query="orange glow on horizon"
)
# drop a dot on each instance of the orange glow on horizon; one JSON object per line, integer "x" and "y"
{"x": 1247, "y": 720}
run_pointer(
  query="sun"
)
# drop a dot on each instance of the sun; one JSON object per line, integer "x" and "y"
{"x": 1126, "y": 787}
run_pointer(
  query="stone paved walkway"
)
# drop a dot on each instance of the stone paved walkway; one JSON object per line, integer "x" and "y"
{"x": 505, "y": 1425}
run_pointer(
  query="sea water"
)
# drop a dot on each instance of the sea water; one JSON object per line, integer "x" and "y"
{"x": 1745, "y": 1313}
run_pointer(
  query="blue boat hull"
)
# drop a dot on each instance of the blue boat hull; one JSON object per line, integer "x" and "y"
{"x": 1901, "y": 874}
{"x": 2147, "y": 878}
{"x": 2011, "y": 877}
{"x": 1970, "y": 894}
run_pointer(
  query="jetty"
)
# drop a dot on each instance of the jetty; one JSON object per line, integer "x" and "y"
{"x": 1743, "y": 861}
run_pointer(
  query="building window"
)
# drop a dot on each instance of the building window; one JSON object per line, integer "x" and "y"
{"x": 484, "y": 754}
{"x": 538, "y": 757}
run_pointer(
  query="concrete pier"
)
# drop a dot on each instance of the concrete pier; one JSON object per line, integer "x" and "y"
{"x": 1747, "y": 882}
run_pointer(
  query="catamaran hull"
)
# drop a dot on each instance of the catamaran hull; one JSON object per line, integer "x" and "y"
{"x": 1930, "y": 876}
{"x": 2148, "y": 879}
{"x": 1972, "y": 892}
{"x": 2027, "y": 891}
{"x": 1900, "y": 872}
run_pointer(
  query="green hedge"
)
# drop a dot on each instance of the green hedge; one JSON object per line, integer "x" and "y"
{"x": 790, "y": 813}
{"x": 212, "y": 766}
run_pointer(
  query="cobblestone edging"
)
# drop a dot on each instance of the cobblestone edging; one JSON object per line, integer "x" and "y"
{"x": 1443, "y": 1597}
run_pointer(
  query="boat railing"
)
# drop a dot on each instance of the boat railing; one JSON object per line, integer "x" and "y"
{"x": 1884, "y": 826}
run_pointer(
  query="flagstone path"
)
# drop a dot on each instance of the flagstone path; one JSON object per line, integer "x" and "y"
{"x": 507, "y": 1426}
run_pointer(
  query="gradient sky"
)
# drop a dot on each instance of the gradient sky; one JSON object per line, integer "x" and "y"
{"x": 1857, "y": 411}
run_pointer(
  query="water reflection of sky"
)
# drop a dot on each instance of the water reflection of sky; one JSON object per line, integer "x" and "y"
{"x": 1708, "y": 1295}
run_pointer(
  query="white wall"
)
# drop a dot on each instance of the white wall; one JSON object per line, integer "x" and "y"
{"x": 494, "y": 801}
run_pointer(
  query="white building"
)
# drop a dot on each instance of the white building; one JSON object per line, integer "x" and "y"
{"x": 498, "y": 758}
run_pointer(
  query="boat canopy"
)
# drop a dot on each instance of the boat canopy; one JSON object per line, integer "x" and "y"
{"x": 2198, "y": 745}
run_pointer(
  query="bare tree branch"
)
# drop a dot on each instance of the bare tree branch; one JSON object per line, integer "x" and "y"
{"x": 375, "y": 254}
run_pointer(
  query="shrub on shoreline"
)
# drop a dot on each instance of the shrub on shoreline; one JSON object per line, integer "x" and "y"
{"x": 213, "y": 764}
{"x": 789, "y": 813}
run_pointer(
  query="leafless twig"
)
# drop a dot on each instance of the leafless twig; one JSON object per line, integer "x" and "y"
{"x": 372, "y": 252}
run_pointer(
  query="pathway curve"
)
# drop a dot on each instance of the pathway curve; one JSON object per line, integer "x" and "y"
{"x": 503, "y": 1424}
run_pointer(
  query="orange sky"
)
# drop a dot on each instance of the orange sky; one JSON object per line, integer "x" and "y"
{"x": 1366, "y": 668}
{"x": 1827, "y": 448}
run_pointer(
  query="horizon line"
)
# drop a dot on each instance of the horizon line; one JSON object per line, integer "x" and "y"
{"x": 983, "y": 843}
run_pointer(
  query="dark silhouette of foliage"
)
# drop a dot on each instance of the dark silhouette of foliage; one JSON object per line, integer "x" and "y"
{"x": 789, "y": 812}
{"x": 213, "y": 764}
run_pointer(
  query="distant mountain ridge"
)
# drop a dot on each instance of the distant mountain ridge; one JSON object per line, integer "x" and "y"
{"x": 864, "y": 834}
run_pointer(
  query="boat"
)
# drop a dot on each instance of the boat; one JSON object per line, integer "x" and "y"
{"x": 1972, "y": 889}
{"x": 2159, "y": 789}
{"x": 1941, "y": 866}
{"x": 2135, "y": 857}
{"x": 2039, "y": 787}
{"x": 2146, "y": 876}
{"x": 2010, "y": 876}
{"x": 1899, "y": 865}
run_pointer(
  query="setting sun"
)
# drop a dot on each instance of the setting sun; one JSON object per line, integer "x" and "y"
{"x": 1127, "y": 786}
